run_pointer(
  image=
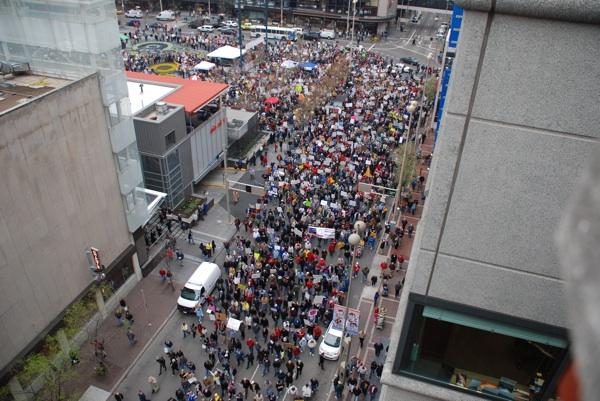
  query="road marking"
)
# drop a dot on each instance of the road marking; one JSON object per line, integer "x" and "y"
{"x": 207, "y": 235}
{"x": 372, "y": 46}
{"x": 411, "y": 36}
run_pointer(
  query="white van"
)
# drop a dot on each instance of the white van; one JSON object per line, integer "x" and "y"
{"x": 198, "y": 287}
{"x": 166, "y": 15}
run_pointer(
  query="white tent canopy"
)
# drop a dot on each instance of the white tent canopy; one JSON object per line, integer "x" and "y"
{"x": 204, "y": 66}
{"x": 226, "y": 52}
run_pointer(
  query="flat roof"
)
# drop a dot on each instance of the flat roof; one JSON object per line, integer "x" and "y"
{"x": 190, "y": 94}
{"x": 18, "y": 90}
{"x": 149, "y": 95}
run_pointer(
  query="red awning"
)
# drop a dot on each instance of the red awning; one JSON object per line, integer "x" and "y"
{"x": 190, "y": 94}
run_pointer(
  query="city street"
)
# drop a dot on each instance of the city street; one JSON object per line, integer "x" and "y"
{"x": 398, "y": 44}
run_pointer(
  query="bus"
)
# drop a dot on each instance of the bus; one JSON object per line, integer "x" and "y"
{"x": 274, "y": 32}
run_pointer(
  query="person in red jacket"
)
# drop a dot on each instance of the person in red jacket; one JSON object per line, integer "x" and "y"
{"x": 317, "y": 332}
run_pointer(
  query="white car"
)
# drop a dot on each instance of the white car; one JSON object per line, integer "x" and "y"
{"x": 134, "y": 14}
{"x": 404, "y": 68}
{"x": 331, "y": 344}
{"x": 230, "y": 24}
{"x": 328, "y": 34}
{"x": 206, "y": 28}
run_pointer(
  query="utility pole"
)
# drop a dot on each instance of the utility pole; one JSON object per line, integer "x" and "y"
{"x": 266, "y": 25}
{"x": 240, "y": 41}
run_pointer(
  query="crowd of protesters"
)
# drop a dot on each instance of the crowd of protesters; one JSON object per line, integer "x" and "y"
{"x": 280, "y": 279}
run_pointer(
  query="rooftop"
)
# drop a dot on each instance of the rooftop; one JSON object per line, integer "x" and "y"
{"x": 17, "y": 90}
{"x": 192, "y": 95}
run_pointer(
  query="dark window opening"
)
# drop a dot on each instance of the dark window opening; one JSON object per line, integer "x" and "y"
{"x": 489, "y": 358}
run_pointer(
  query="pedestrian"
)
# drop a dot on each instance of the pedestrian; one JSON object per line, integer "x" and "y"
{"x": 129, "y": 318}
{"x": 185, "y": 330}
{"x": 373, "y": 368}
{"x": 190, "y": 237}
{"x": 373, "y": 391}
{"x": 162, "y": 364}
{"x": 322, "y": 361}
{"x": 119, "y": 396}
{"x": 142, "y": 396}
{"x": 170, "y": 279}
{"x": 153, "y": 384}
{"x": 373, "y": 281}
{"x": 174, "y": 366}
{"x": 168, "y": 346}
{"x": 299, "y": 367}
{"x": 119, "y": 316}
{"x": 199, "y": 312}
{"x": 361, "y": 338}
{"x": 378, "y": 347}
{"x": 397, "y": 289}
{"x": 411, "y": 228}
{"x": 130, "y": 337}
{"x": 312, "y": 344}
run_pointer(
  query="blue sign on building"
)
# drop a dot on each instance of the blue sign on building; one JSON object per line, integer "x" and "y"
{"x": 455, "y": 24}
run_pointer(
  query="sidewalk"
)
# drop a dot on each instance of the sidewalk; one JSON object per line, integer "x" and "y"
{"x": 387, "y": 304}
{"x": 151, "y": 304}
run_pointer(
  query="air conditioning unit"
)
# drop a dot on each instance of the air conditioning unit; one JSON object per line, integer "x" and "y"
{"x": 14, "y": 68}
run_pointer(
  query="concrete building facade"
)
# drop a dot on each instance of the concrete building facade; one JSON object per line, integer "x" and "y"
{"x": 482, "y": 313}
{"x": 60, "y": 196}
{"x": 73, "y": 178}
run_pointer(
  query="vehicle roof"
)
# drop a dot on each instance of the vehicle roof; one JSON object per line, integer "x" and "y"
{"x": 335, "y": 332}
{"x": 205, "y": 269}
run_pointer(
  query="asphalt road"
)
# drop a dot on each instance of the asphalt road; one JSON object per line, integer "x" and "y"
{"x": 146, "y": 365}
{"x": 398, "y": 44}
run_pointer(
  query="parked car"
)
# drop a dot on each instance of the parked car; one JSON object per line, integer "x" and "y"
{"x": 206, "y": 28}
{"x": 133, "y": 22}
{"x": 331, "y": 344}
{"x": 404, "y": 68}
{"x": 410, "y": 60}
{"x": 134, "y": 13}
{"x": 155, "y": 25}
{"x": 195, "y": 24}
{"x": 228, "y": 31}
{"x": 328, "y": 34}
{"x": 166, "y": 15}
{"x": 312, "y": 35}
{"x": 230, "y": 23}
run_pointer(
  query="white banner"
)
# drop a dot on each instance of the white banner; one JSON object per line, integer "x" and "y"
{"x": 322, "y": 232}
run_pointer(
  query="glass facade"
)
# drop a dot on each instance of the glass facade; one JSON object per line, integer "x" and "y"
{"x": 73, "y": 39}
{"x": 489, "y": 357}
{"x": 164, "y": 174}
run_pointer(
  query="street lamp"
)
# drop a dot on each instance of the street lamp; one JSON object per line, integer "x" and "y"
{"x": 348, "y": 19}
{"x": 353, "y": 18}
{"x": 353, "y": 240}
{"x": 411, "y": 108}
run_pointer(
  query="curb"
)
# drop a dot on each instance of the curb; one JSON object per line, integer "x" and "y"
{"x": 144, "y": 349}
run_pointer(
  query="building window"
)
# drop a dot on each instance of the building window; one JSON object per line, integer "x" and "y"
{"x": 466, "y": 350}
{"x": 170, "y": 139}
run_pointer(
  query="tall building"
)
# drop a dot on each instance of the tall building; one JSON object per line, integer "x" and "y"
{"x": 482, "y": 313}
{"x": 72, "y": 177}
{"x": 376, "y": 16}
